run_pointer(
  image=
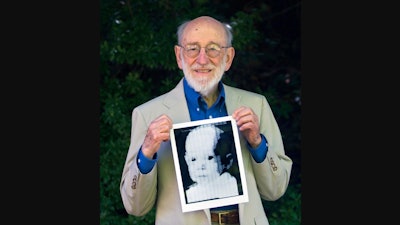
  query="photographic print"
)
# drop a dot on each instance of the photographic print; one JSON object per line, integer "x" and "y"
{"x": 208, "y": 162}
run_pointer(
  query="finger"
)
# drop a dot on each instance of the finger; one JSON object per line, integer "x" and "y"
{"x": 243, "y": 112}
{"x": 238, "y": 112}
{"x": 245, "y": 118}
{"x": 164, "y": 120}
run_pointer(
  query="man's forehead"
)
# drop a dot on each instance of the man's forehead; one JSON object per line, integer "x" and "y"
{"x": 205, "y": 31}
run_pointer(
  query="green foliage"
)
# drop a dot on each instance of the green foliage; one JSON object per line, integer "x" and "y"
{"x": 287, "y": 209}
{"x": 137, "y": 63}
{"x": 243, "y": 30}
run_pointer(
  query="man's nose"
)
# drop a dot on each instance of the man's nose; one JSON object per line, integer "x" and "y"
{"x": 203, "y": 57}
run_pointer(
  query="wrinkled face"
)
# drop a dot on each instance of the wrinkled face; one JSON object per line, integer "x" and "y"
{"x": 209, "y": 77}
{"x": 201, "y": 160}
{"x": 204, "y": 71}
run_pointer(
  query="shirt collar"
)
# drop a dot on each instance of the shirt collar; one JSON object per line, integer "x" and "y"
{"x": 193, "y": 97}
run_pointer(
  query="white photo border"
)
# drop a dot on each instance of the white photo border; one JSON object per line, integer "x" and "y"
{"x": 243, "y": 195}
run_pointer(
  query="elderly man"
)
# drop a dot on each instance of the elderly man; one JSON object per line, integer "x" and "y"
{"x": 204, "y": 52}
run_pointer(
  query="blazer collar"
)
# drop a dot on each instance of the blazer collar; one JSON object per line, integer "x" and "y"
{"x": 232, "y": 100}
{"x": 176, "y": 105}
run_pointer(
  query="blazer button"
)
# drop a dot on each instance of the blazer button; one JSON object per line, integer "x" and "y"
{"x": 133, "y": 186}
{"x": 274, "y": 167}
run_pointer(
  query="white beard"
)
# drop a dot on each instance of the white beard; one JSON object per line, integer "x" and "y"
{"x": 203, "y": 85}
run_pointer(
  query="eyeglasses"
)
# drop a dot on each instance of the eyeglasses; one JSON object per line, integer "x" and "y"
{"x": 193, "y": 50}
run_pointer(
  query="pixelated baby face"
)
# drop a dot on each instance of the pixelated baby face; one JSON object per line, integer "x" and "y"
{"x": 200, "y": 157}
{"x": 202, "y": 162}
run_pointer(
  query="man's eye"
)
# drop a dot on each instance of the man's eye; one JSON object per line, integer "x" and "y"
{"x": 192, "y": 48}
{"x": 213, "y": 48}
{"x": 193, "y": 159}
{"x": 210, "y": 157}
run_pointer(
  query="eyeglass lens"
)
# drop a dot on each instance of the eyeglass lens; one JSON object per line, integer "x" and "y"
{"x": 193, "y": 50}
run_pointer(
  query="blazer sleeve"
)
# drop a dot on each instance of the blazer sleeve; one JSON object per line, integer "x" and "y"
{"x": 138, "y": 191}
{"x": 273, "y": 174}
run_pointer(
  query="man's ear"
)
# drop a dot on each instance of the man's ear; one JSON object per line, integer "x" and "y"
{"x": 229, "y": 57}
{"x": 178, "y": 56}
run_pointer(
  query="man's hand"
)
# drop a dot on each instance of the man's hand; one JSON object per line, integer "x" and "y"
{"x": 248, "y": 124}
{"x": 157, "y": 132}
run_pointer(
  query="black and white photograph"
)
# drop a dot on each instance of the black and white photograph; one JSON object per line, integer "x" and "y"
{"x": 208, "y": 163}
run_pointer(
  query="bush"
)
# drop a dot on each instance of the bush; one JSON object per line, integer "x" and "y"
{"x": 287, "y": 209}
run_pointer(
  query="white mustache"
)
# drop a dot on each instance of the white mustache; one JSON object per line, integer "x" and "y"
{"x": 199, "y": 67}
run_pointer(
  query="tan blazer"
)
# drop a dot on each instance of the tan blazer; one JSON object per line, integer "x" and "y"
{"x": 268, "y": 180}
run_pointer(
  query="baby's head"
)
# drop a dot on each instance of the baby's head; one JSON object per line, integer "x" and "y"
{"x": 203, "y": 163}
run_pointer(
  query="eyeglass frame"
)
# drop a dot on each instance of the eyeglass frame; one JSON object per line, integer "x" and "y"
{"x": 219, "y": 51}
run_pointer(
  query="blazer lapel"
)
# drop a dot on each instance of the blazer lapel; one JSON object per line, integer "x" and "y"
{"x": 232, "y": 100}
{"x": 175, "y": 103}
